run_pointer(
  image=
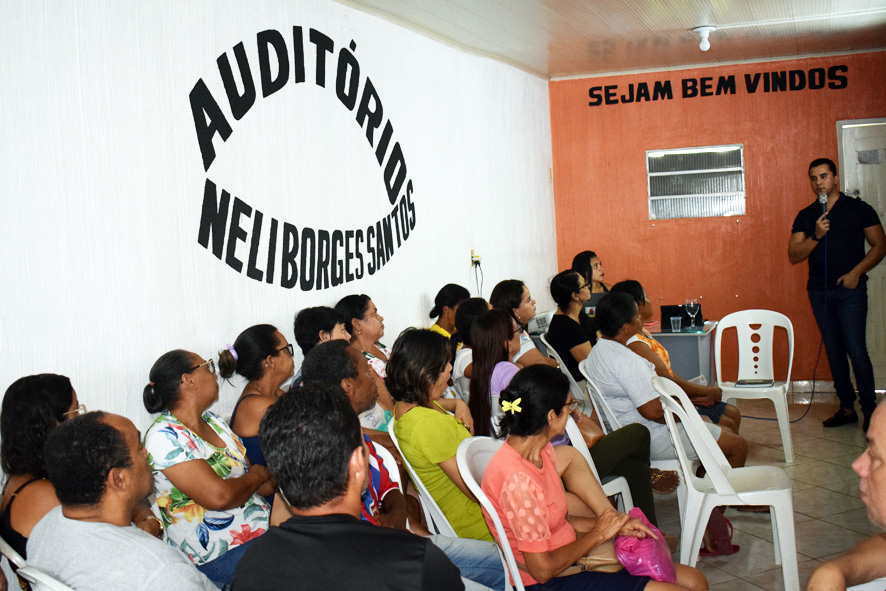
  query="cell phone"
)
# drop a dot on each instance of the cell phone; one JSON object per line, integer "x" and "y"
{"x": 754, "y": 383}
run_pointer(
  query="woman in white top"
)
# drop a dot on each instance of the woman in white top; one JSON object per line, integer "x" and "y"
{"x": 462, "y": 365}
{"x": 513, "y": 296}
{"x": 625, "y": 381}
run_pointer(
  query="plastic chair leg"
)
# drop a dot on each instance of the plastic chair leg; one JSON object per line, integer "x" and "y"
{"x": 775, "y": 537}
{"x": 787, "y": 544}
{"x": 694, "y": 524}
{"x": 784, "y": 426}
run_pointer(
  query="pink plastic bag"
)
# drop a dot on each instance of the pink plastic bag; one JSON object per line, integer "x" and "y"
{"x": 646, "y": 557}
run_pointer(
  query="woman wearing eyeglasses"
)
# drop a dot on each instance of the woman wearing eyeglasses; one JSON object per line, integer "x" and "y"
{"x": 32, "y": 407}
{"x": 551, "y": 506}
{"x": 209, "y": 496}
{"x": 261, "y": 355}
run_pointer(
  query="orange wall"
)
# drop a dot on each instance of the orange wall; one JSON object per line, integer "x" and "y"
{"x": 733, "y": 263}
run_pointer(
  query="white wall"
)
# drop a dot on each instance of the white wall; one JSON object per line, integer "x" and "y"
{"x": 101, "y": 180}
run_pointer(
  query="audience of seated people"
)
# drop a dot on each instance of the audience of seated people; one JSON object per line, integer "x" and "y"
{"x": 315, "y": 451}
{"x": 707, "y": 399}
{"x": 625, "y": 382}
{"x": 338, "y": 364}
{"x": 99, "y": 470}
{"x": 463, "y": 362}
{"x": 624, "y": 451}
{"x": 209, "y": 481}
{"x": 548, "y": 528}
{"x": 209, "y": 496}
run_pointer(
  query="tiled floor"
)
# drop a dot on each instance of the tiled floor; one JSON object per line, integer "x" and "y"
{"x": 829, "y": 516}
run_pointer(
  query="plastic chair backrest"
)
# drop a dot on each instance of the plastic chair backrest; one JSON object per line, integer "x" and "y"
{"x": 577, "y": 391}
{"x": 390, "y": 464}
{"x": 40, "y": 581}
{"x": 472, "y": 457}
{"x": 578, "y": 442}
{"x": 607, "y": 417}
{"x": 754, "y": 364}
{"x": 675, "y": 402}
{"x": 437, "y": 521}
{"x": 10, "y": 554}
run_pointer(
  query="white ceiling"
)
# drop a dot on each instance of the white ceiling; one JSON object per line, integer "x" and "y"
{"x": 561, "y": 38}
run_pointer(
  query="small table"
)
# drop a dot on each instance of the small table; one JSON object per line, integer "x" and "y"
{"x": 691, "y": 352}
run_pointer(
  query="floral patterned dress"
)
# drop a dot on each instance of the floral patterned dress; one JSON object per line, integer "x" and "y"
{"x": 202, "y": 534}
{"x": 377, "y": 417}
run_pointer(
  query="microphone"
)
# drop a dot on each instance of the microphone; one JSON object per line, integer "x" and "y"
{"x": 823, "y": 199}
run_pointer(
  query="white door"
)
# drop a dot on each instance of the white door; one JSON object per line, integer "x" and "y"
{"x": 863, "y": 173}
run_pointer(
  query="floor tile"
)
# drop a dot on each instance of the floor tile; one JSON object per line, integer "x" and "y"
{"x": 816, "y": 538}
{"x": 846, "y": 460}
{"x": 713, "y": 574}
{"x": 735, "y": 585}
{"x": 856, "y": 520}
{"x": 820, "y": 473}
{"x": 847, "y": 487}
{"x": 820, "y": 502}
{"x": 755, "y": 556}
{"x": 773, "y": 580}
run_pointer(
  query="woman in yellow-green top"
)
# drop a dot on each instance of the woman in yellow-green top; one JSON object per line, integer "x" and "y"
{"x": 418, "y": 374}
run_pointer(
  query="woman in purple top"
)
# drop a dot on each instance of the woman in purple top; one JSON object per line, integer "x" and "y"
{"x": 495, "y": 336}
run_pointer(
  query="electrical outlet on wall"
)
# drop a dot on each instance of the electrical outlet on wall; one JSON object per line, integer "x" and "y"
{"x": 475, "y": 258}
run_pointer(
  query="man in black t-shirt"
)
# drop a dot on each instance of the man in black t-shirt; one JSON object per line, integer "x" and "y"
{"x": 831, "y": 233}
{"x": 314, "y": 448}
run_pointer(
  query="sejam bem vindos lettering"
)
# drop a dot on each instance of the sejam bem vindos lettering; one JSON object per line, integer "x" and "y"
{"x": 306, "y": 258}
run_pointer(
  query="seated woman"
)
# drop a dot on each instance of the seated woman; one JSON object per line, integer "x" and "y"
{"x": 625, "y": 381}
{"x": 463, "y": 366}
{"x": 32, "y": 407}
{"x": 512, "y": 296}
{"x": 210, "y": 497}
{"x": 625, "y": 451}
{"x": 496, "y": 339}
{"x": 707, "y": 399}
{"x": 548, "y": 528}
{"x": 366, "y": 327}
{"x": 418, "y": 374}
{"x": 261, "y": 355}
{"x": 445, "y": 306}
{"x": 588, "y": 265}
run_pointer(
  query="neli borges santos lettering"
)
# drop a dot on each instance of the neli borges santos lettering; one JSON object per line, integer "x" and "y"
{"x": 305, "y": 257}
{"x": 776, "y": 81}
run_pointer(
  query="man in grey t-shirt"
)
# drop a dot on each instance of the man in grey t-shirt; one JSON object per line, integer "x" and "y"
{"x": 99, "y": 469}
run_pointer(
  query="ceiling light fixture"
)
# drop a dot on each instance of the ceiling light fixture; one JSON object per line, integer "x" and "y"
{"x": 703, "y": 34}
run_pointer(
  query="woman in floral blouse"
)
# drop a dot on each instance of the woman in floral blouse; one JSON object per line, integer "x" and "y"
{"x": 209, "y": 497}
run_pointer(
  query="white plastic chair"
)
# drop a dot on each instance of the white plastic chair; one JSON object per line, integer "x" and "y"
{"x": 724, "y": 485}
{"x": 755, "y": 362}
{"x": 578, "y": 392}
{"x": 11, "y": 555}
{"x": 607, "y": 415}
{"x": 612, "y": 485}
{"x": 875, "y": 585}
{"x": 390, "y": 463}
{"x": 40, "y": 581}
{"x": 472, "y": 457}
{"x": 436, "y": 520}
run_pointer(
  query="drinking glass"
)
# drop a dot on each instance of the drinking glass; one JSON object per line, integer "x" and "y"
{"x": 692, "y": 307}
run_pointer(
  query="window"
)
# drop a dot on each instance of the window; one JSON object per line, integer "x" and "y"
{"x": 696, "y": 182}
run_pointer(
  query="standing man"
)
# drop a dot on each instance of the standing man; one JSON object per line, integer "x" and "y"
{"x": 831, "y": 233}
